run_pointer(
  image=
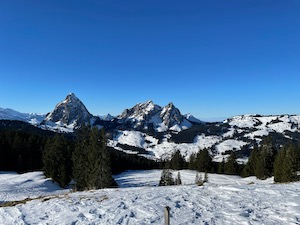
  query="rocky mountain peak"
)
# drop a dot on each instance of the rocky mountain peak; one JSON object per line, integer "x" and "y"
{"x": 71, "y": 111}
{"x": 171, "y": 115}
{"x": 141, "y": 111}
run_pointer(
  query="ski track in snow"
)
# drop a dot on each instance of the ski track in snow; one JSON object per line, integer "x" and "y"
{"x": 223, "y": 200}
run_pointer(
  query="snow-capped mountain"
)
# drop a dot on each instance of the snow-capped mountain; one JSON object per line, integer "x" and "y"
{"x": 156, "y": 132}
{"x": 238, "y": 134}
{"x": 151, "y": 116}
{"x": 106, "y": 117}
{"x": 69, "y": 114}
{"x": 10, "y": 114}
{"x": 192, "y": 119}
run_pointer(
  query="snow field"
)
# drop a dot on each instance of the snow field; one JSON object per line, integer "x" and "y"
{"x": 223, "y": 200}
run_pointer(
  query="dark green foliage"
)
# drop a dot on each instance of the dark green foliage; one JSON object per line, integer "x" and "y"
{"x": 264, "y": 160}
{"x": 231, "y": 167}
{"x": 286, "y": 164}
{"x": 203, "y": 161}
{"x": 261, "y": 160}
{"x": 166, "y": 178}
{"x": 20, "y": 148}
{"x": 121, "y": 161}
{"x": 249, "y": 168}
{"x": 192, "y": 162}
{"x": 177, "y": 161}
{"x": 57, "y": 160}
{"x": 188, "y": 135}
{"x": 221, "y": 165}
{"x": 91, "y": 161}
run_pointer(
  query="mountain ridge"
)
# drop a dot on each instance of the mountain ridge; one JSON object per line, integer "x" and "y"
{"x": 156, "y": 132}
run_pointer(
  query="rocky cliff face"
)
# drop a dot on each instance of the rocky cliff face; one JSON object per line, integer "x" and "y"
{"x": 70, "y": 112}
{"x": 148, "y": 114}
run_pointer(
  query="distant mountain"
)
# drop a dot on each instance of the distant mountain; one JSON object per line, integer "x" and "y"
{"x": 10, "y": 114}
{"x": 192, "y": 119}
{"x": 156, "y": 132}
{"x": 69, "y": 114}
{"x": 106, "y": 117}
{"x": 151, "y": 116}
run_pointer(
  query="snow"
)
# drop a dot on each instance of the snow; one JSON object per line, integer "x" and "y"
{"x": 223, "y": 200}
{"x": 132, "y": 138}
{"x": 10, "y": 114}
{"x": 191, "y": 118}
{"x": 15, "y": 186}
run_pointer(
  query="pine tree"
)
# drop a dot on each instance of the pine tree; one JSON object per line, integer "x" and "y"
{"x": 192, "y": 162}
{"x": 264, "y": 160}
{"x": 56, "y": 159}
{"x": 91, "y": 162}
{"x": 231, "y": 166}
{"x": 203, "y": 161}
{"x": 248, "y": 169}
{"x": 221, "y": 167}
{"x": 286, "y": 164}
{"x": 177, "y": 161}
{"x": 166, "y": 178}
{"x": 178, "y": 179}
{"x": 199, "y": 180}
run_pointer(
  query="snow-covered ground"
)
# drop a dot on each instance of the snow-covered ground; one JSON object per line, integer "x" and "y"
{"x": 223, "y": 200}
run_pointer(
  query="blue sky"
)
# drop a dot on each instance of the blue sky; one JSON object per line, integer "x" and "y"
{"x": 210, "y": 58}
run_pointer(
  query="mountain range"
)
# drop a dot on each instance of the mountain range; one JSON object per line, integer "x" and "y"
{"x": 156, "y": 132}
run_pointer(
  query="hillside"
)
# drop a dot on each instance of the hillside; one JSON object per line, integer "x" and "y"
{"x": 223, "y": 200}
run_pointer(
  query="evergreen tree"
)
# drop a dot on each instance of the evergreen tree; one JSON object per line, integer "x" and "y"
{"x": 56, "y": 159}
{"x": 231, "y": 166}
{"x": 178, "y": 179}
{"x": 248, "y": 169}
{"x": 198, "y": 180}
{"x": 264, "y": 160}
{"x": 203, "y": 161}
{"x": 91, "y": 162}
{"x": 286, "y": 164}
{"x": 166, "y": 178}
{"x": 221, "y": 167}
{"x": 192, "y": 162}
{"x": 177, "y": 161}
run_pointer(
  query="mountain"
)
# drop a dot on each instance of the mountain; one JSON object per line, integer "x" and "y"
{"x": 239, "y": 134}
{"x": 156, "y": 132}
{"x": 192, "y": 119}
{"x": 106, "y": 117}
{"x": 148, "y": 115}
{"x": 69, "y": 114}
{"x": 10, "y": 114}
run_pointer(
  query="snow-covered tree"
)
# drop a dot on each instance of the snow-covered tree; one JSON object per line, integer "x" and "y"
{"x": 166, "y": 178}
{"x": 178, "y": 179}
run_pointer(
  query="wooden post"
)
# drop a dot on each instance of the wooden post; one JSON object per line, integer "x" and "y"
{"x": 167, "y": 215}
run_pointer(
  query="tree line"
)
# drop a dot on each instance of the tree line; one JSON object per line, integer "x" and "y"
{"x": 82, "y": 156}
{"x": 267, "y": 160}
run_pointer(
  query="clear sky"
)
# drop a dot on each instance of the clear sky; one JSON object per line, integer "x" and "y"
{"x": 211, "y": 58}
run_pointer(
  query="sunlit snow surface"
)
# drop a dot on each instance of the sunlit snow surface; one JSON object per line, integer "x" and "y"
{"x": 223, "y": 200}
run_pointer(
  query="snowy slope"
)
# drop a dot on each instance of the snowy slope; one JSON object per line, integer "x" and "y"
{"x": 10, "y": 114}
{"x": 223, "y": 200}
